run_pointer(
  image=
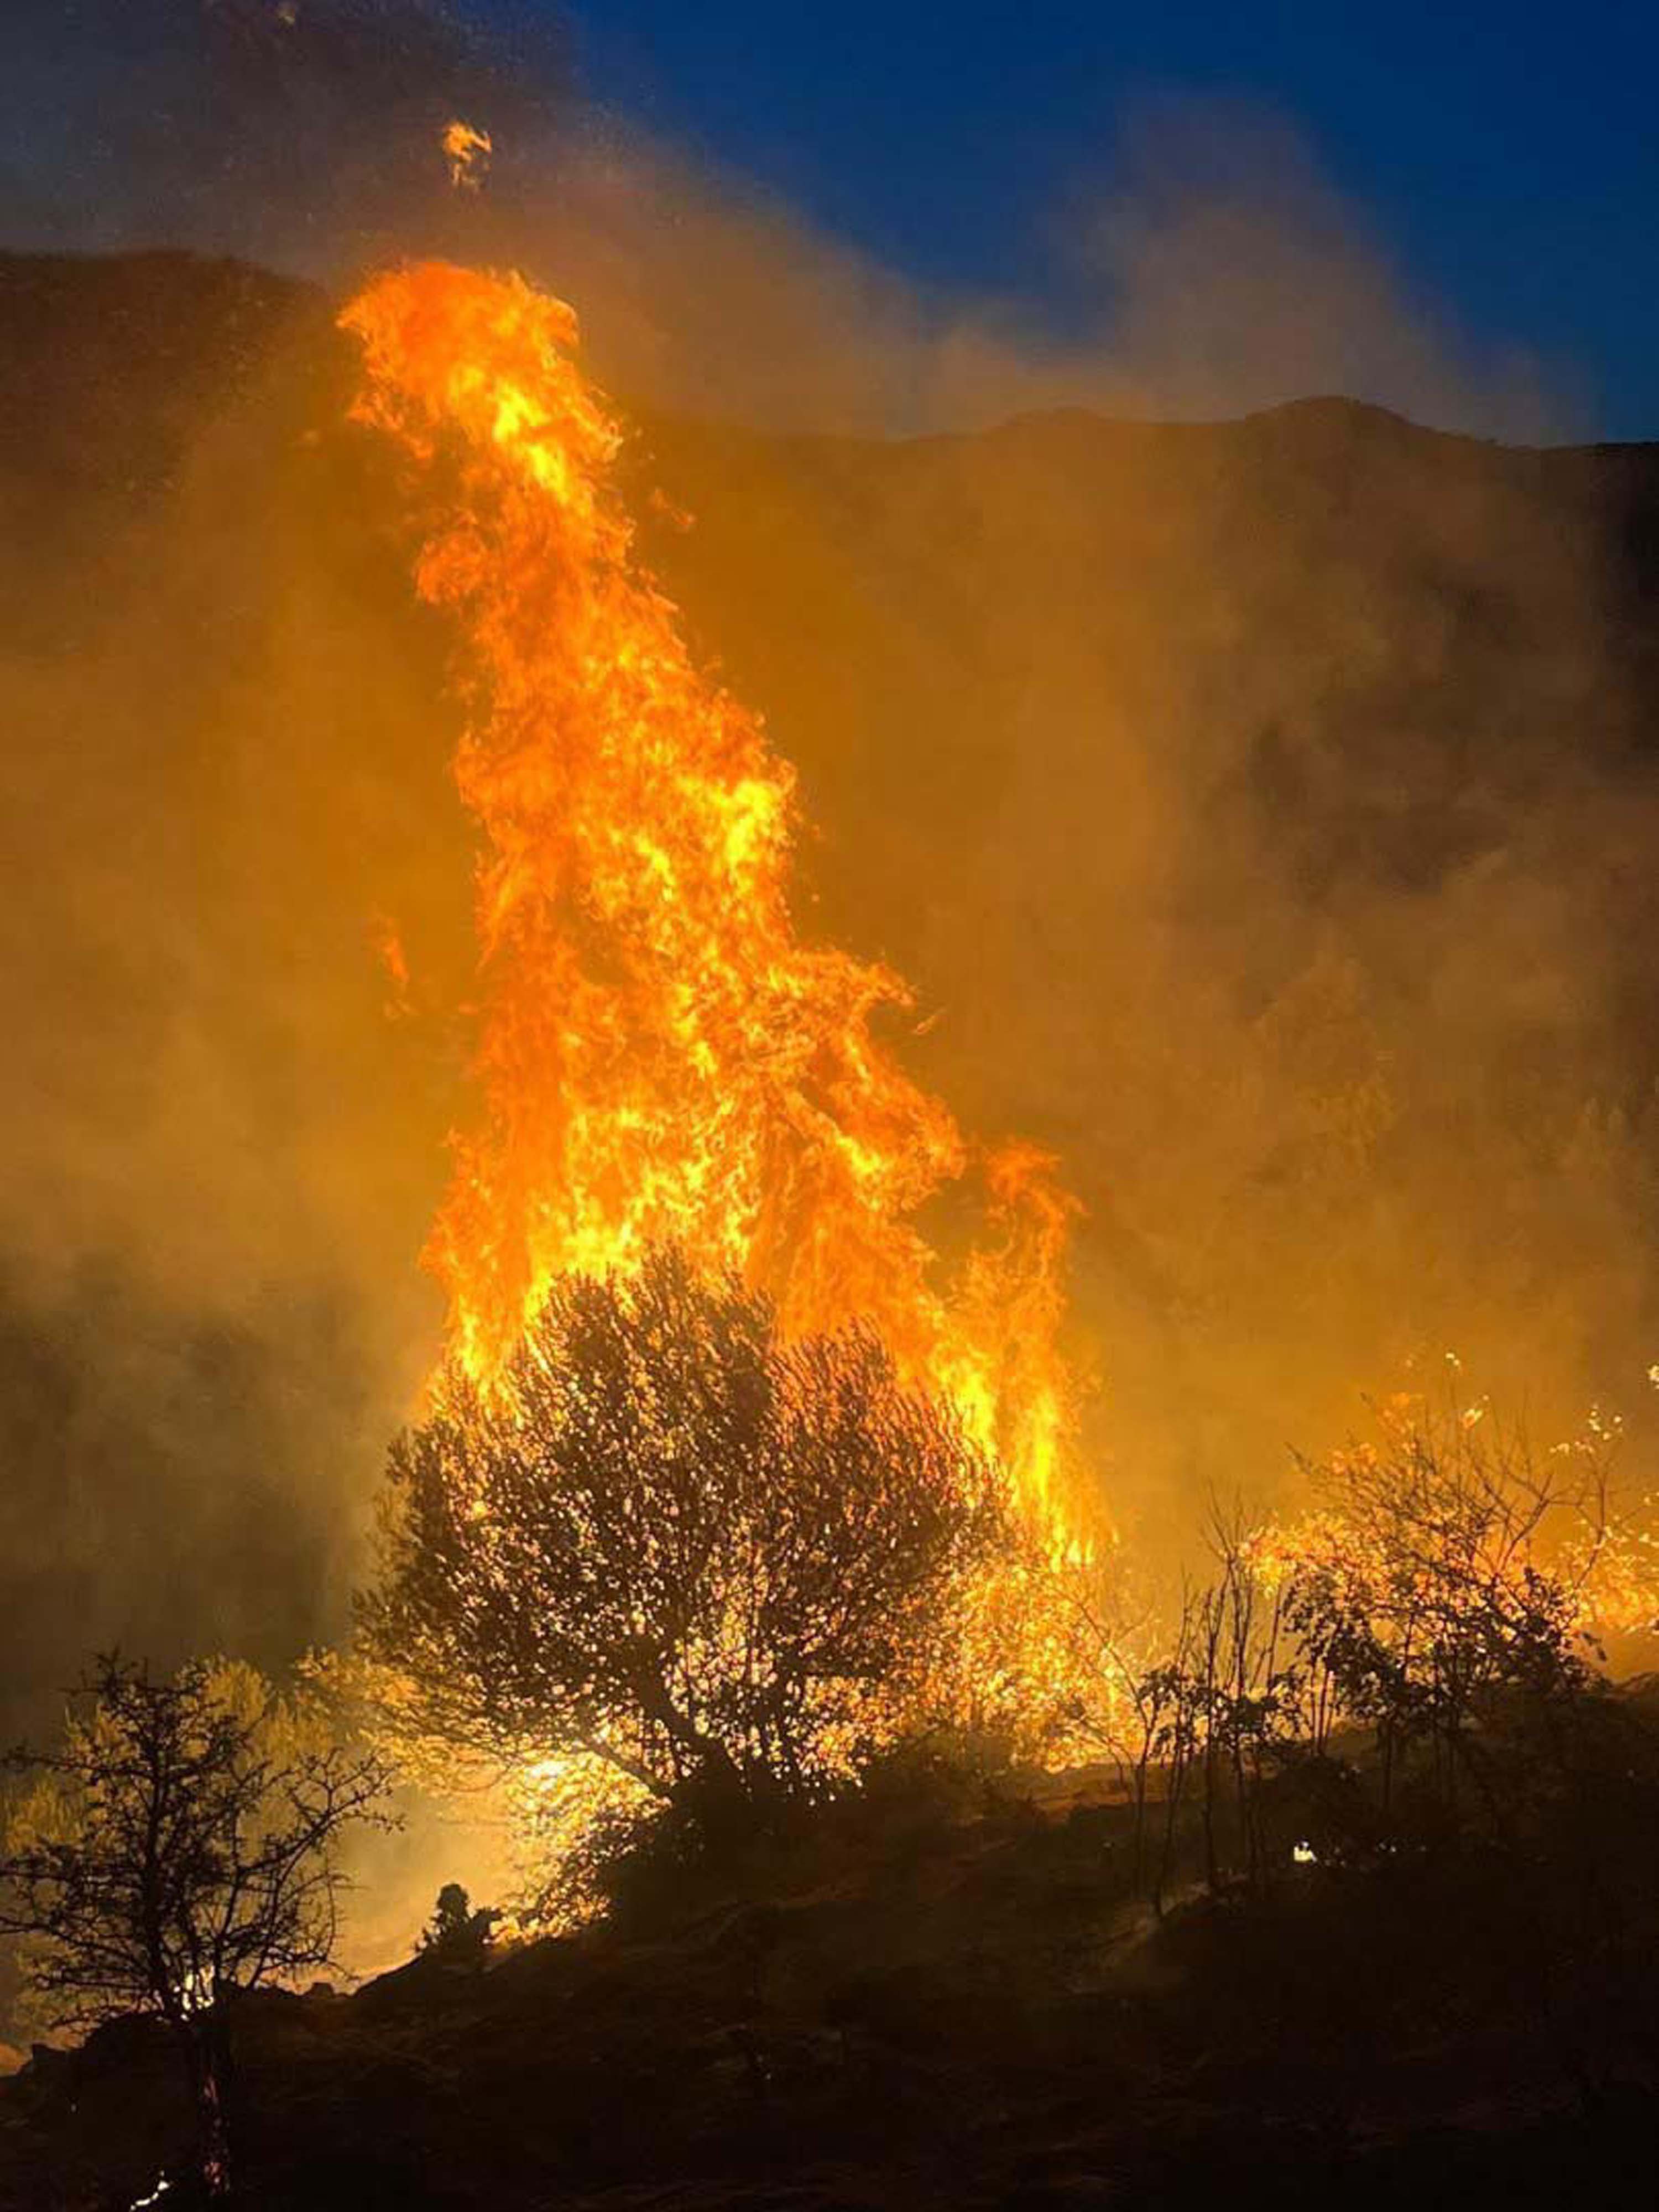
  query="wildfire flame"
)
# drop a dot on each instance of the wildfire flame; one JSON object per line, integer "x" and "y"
{"x": 661, "y": 1055}
{"x": 467, "y": 152}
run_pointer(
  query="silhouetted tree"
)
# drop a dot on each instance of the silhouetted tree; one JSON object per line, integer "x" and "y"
{"x": 1442, "y": 1590}
{"x": 179, "y": 1846}
{"x": 671, "y": 1542}
{"x": 1421, "y": 1641}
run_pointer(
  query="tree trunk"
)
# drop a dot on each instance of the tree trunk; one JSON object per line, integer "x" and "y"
{"x": 208, "y": 2051}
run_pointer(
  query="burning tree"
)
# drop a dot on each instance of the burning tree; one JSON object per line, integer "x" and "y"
{"x": 1416, "y": 1654}
{"x": 721, "y": 1565}
{"x": 664, "y": 1058}
{"x": 178, "y": 1847}
{"x": 1448, "y": 1584}
{"x": 662, "y": 1055}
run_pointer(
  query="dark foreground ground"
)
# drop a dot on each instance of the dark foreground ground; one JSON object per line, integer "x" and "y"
{"x": 954, "y": 2014}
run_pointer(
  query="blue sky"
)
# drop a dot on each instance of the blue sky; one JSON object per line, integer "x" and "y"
{"x": 1506, "y": 156}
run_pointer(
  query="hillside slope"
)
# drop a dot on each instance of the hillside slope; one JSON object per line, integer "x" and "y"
{"x": 1265, "y": 813}
{"x": 970, "y": 2016}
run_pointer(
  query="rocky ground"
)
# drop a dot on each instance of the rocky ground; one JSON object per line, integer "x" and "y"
{"x": 963, "y": 2013}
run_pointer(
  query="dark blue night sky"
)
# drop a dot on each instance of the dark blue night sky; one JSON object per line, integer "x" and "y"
{"x": 1504, "y": 158}
{"x": 1507, "y": 157}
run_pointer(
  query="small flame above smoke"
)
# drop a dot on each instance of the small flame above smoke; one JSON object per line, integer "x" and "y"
{"x": 661, "y": 1056}
{"x": 468, "y": 152}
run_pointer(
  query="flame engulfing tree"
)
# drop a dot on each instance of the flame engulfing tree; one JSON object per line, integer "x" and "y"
{"x": 1414, "y": 1660}
{"x": 721, "y": 1564}
{"x": 180, "y": 1845}
{"x": 1450, "y": 1578}
{"x": 661, "y": 1055}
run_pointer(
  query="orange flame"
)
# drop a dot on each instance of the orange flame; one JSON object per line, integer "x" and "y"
{"x": 467, "y": 152}
{"x": 661, "y": 1055}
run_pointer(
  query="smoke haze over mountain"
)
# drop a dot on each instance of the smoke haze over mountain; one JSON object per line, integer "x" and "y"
{"x": 1210, "y": 267}
{"x": 1265, "y": 813}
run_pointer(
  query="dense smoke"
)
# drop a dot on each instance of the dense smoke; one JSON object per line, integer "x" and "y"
{"x": 1259, "y": 811}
